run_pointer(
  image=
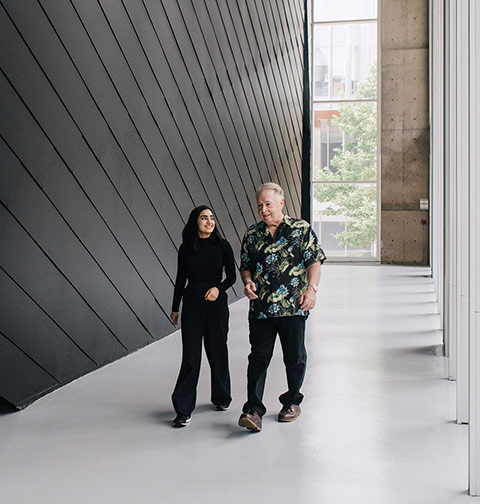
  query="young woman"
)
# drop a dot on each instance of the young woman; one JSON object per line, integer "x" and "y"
{"x": 202, "y": 258}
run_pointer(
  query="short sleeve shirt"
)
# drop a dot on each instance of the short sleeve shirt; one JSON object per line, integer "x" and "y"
{"x": 278, "y": 266}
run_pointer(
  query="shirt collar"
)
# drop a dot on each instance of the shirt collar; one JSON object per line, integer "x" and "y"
{"x": 286, "y": 220}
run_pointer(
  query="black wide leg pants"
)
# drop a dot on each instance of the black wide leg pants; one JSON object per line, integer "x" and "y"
{"x": 207, "y": 320}
{"x": 263, "y": 332}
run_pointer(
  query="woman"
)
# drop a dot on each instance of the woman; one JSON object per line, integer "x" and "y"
{"x": 202, "y": 258}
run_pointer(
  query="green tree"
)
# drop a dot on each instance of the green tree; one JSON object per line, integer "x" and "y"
{"x": 357, "y": 161}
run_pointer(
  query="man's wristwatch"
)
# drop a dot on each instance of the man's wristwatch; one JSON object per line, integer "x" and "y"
{"x": 314, "y": 287}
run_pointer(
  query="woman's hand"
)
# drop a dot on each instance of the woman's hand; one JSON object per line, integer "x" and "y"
{"x": 174, "y": 317}
{"x": 212, "y": 294}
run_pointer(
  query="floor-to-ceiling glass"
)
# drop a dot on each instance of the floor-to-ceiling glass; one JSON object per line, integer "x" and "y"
{"x": 345, "y": 127}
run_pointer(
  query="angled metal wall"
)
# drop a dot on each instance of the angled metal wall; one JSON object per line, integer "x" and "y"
{"x": 118, "y": 117}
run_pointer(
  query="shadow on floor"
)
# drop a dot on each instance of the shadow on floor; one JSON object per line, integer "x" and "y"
{"x": 6, "y": 407}
{"x": 425, "y": 350}
{"x": 166, "y": 417}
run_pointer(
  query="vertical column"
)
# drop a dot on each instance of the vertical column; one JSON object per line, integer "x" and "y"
{"x": 450, "y": 287}
{"x": 437, "y": 143}
{"x": 474, "y": 224}
{"x": 307, "y": 107}
{"x": 405, "y": 131}
{"x": 462, "y": 210}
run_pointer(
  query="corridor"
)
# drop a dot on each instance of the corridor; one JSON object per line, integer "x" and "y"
{"x": 377, "y": 425}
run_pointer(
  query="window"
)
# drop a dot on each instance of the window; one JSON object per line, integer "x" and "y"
{"x": 344, "y": 130}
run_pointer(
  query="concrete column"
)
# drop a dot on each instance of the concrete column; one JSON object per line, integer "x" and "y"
{"x": 404, "y": 131}
{"x": 462, "y": 213}
{"x": 437, "y": 141}
{"x": 451, "y": 263}
{"x": 474, "y": 226}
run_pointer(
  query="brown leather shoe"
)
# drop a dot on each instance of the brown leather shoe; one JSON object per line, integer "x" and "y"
{"x": 289, "y": 413}
{"x": 251, "y": 421}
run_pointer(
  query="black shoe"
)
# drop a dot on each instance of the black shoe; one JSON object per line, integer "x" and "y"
{"x": 222, "y": 407}
{"x": 181, "y": 421}
{"x": 251, "y": 421}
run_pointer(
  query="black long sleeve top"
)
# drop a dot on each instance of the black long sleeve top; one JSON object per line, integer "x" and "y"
{"x": 204, "y": 269}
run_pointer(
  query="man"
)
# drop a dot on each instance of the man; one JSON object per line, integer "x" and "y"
{"x": 280, "y": 268}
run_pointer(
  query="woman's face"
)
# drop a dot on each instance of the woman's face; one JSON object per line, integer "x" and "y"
{"x": 205, "y": 223}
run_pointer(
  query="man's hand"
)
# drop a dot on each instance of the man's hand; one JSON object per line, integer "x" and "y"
{"x": 308, "y": 299}
{"x": 249, "y": 290}
{"x": 212, "y": 294}
{"x": 174, "y": 317}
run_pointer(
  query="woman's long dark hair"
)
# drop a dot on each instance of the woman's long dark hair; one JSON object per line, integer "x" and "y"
{"x": 190, "y": 231}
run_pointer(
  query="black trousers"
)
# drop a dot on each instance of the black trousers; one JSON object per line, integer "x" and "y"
{"x": 263, "y": 333}
{"x": 207, "y": 320}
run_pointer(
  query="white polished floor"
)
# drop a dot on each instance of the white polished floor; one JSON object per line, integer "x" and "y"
{"x": 377, "y": 423}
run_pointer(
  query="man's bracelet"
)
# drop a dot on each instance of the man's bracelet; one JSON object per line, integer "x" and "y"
{"x": 314, "y": 287}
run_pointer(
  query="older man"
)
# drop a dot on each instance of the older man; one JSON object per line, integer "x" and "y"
{"x": 280, "y": 268}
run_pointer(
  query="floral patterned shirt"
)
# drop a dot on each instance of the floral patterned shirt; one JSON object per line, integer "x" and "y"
{"x": 278, "y": 266}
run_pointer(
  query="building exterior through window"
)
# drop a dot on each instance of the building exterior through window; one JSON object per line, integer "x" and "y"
{"x": 345, "y": 129}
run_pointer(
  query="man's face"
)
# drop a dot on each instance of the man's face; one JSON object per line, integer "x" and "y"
{"x": 269, "y": 206}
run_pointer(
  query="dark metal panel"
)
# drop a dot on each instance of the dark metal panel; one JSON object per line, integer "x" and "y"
{"x": 130, "y": 93}
{"x": 199, "y": 23}
{"x": 293, "y": 51}
{"x": 138, "y": 194}
{"x": 146, "y": 134}
{"x": 250, "y": 100}
{"x": 21, "y": 379}
{"x": 140, "y": 190}
{"x": 193, "y": 122}
{"x": 248, "y": 43}
{"x": 101, "y": 219}
{"x": 268, "y": 79}
{"x": 297, "y": 14}
{"x": 46, "y": 286}
{"x": 284, "y": 65}
{"x": 122, "y": 84}
{"x": 153, "y": 43}
{"x": 19, "y": 129}
{"x": 230, "y": 164}
{"x": 131, "y": 49}
{"x": 260, "y": 91}
{"x": 278, "y": 76}
{"x": 234, "y": 88}
{"x": 69, "y": 256}
{"x": 44, "y": 282}
{"x": 37, "y": 335}
{"x": 120, "y": 116}
{"x": 228, "y": 111}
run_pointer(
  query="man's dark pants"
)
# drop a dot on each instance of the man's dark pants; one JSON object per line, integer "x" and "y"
{"x": 263, "y": 333}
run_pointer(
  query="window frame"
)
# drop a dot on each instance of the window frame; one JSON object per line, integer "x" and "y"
{"x": 345, "y": 259}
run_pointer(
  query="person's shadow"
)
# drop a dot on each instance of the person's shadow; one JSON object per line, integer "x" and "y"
{"x": 166, "y": 417}
{"x": 235, "y": 431}
{"x": 230, "y": 429}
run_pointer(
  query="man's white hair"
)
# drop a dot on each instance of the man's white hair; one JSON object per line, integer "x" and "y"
{"x": 271, "y": 186}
